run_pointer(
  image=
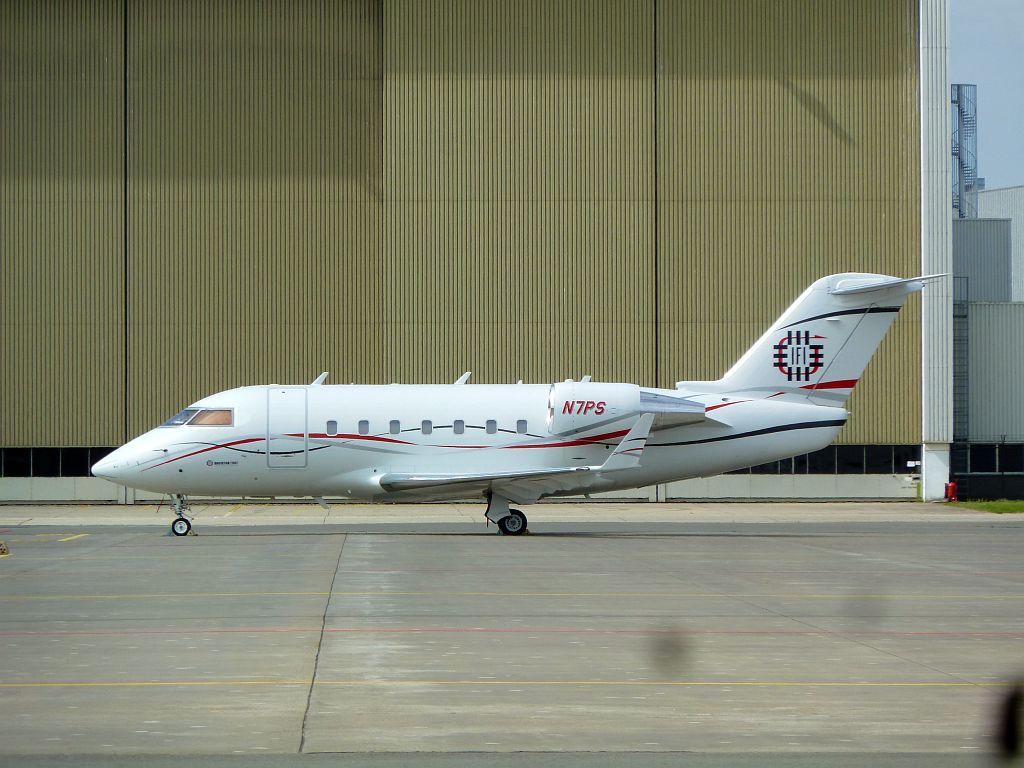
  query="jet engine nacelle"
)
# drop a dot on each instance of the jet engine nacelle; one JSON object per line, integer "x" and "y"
{"x": 576, "y": 405}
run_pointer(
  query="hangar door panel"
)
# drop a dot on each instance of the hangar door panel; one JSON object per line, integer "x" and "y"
{"x": 287, "y": 439}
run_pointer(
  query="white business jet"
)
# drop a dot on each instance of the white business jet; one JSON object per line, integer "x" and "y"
{"x": 518, "y": 443}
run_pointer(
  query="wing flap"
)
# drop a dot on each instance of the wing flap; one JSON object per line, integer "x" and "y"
{"x": 399, "y": 481}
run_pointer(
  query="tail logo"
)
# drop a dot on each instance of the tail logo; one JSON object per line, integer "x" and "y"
{"x": 796, "y": 357}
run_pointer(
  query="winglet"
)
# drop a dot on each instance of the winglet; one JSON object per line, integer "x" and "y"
{"x": 319, "y": 380}
{"x": 627, "y": 454}
{"x": 463, "y": 378}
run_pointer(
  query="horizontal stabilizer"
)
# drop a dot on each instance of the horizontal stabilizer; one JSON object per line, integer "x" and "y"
{"x": 880, "y": 283}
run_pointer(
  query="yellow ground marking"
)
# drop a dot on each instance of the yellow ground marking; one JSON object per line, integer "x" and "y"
{"x": 387, "y": 593}
{"x": 72, "y": 538}
{"x": 28, "y": 536}
{"x": 493, "y": 683}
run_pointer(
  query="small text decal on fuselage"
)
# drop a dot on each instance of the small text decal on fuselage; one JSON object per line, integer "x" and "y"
{"x": 584, "y": 407}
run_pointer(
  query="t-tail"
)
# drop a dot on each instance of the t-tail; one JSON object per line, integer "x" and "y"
{"x": 819, "y": 347}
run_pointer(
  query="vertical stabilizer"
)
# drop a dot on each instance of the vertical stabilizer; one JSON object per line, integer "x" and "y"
{"x": 819, "y": 347}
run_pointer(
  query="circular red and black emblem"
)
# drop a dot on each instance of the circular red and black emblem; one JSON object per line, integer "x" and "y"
{"x": 797, "y": 357}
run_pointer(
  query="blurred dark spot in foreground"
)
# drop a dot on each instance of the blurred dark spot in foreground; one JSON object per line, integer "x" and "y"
{"x": 869, "y": 604}
{"x": 1008, "y": 721}
{"x": 670, "y": 649}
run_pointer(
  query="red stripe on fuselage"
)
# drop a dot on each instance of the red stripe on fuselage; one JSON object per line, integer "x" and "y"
{"x": 243, "y": 441}
{"x": 343, "y": 436}
{"x": 581, "y": 441}
{"x": 325, "y": 436}
{"x": 565, "y": 444}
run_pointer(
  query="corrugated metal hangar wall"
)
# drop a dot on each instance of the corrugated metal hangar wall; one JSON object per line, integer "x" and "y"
{"x": 199, "y": 195}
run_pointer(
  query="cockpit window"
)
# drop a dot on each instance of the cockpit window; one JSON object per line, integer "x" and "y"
{"x": 180, "y": 418}
{"x": 212, "y": 417}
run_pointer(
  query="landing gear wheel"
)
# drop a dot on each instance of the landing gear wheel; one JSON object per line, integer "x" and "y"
{"x": 181, "y": 525}
{"x": 513, "y": 524}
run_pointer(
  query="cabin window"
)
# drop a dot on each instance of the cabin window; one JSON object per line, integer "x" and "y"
{"x": 364, "y": 427}
{"x": 426, "y": 427}
{"x": 395, "y": 427}
{"x": 521, "y": 427}
{"x": 459, "y": 427}
{"x": 180, "y": 418}
{"x": 212, "y": 417}
{"x": 492, "y": 426}
{"x": 332, "y": 428}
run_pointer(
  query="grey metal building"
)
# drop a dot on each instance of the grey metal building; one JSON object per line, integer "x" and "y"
{"x": 1008, "y": 203}
{"x": 982, "y": 259}
{"x": 988, "y": 409}
{"x": 991, "y": 461}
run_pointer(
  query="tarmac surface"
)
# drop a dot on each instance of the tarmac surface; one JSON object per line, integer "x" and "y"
{"x": 614, "y": 634}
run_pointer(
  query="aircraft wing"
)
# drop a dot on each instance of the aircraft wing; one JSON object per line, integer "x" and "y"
{"x": 399, "y": 481}
{"x": 530, "y": 484}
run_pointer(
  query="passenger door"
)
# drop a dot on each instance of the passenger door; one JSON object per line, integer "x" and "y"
{"x": 287, "y": 437}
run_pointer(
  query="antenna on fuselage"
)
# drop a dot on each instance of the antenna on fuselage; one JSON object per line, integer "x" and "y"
{"x": 319, "y": 380}
{"x": 464, "y": 377}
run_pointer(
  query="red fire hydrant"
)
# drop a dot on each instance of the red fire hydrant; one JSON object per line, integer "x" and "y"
{"x": 951, "y": 491}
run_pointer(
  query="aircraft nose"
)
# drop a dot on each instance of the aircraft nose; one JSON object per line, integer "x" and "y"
{"x": 110, "y": 467}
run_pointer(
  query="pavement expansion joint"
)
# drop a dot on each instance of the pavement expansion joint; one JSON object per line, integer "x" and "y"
{"x": 319, "y": 646}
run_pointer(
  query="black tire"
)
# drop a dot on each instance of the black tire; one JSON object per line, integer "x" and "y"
{"x": 181, "y": 527}
{"x": 513, "y": 524}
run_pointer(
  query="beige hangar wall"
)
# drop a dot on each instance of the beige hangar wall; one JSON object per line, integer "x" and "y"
{"x": 400, "y": 192}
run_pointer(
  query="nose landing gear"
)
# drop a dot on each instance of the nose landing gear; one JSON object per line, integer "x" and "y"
{"x": 181, "y": 526}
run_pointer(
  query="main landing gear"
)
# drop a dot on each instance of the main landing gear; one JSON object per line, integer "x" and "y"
{"x": 181, "y": 526}
{"x": 511, "y": 522}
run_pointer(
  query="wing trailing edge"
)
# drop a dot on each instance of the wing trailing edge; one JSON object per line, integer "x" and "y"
{"x": 399, "y": 481}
